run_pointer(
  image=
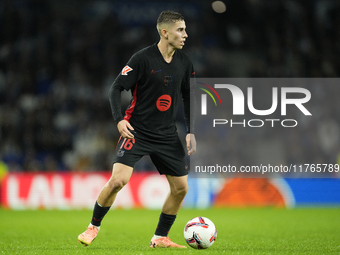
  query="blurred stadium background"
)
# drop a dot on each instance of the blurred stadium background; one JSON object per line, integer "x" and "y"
{"x": 59, "y": 58}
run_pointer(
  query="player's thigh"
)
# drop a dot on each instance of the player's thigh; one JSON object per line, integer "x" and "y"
{"x": 169, "y": 158}
{"x": 129, "y": 151}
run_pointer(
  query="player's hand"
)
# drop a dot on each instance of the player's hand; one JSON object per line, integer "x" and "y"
{"x": 124, "y": 128}
{"x": 191, "y": 143}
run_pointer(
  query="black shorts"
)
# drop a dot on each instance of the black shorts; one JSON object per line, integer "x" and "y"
{"x": 168, "y": 156}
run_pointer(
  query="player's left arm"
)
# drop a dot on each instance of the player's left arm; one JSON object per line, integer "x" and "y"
{"x": 191, "y": 143}
{"x": 188, "y": 95}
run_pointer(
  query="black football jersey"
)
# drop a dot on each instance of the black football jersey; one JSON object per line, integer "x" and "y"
{"x": 156, "y": 87}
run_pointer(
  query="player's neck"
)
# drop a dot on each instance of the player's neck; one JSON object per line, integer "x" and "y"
{"x": 166, "y": 50}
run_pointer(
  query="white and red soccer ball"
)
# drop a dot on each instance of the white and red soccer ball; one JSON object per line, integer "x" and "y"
{"x": 200, "y": 233}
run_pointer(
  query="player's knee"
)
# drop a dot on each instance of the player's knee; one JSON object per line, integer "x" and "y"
{"x": 181, "y": 191}
{"x": 116, "y": 185}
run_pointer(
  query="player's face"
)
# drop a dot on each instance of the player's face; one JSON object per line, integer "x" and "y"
{"x": 177, "y": 35}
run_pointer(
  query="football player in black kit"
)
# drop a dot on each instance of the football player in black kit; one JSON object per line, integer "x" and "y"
{"x": 157, "y": 77}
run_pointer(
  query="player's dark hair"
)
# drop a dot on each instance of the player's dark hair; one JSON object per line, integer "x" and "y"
{"x": 167, "y": 17}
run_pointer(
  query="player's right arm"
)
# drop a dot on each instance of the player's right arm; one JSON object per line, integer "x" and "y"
{"x": 123, "y": 126}
{"x": 126, "y": 79}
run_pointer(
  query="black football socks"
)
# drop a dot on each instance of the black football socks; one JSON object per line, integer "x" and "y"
{"x": 164, "y": 224}
{"x": 98, "y": 214}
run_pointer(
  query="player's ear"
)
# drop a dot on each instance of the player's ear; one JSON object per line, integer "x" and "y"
{"x": 164, "y": 32}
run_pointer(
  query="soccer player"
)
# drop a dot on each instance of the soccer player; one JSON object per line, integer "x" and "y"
{"x": 157, "y": 77}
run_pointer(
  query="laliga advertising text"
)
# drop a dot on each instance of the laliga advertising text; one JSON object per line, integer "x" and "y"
{"x": 268, "y": 168}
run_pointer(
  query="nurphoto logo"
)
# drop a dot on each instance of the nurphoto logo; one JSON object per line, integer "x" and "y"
{"x": 296, "y": 96}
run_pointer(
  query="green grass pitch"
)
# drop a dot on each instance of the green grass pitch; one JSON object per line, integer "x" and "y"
{"x": 239, "y": 231}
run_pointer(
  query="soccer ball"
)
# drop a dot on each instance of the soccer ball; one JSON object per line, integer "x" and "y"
{"x": 200, "y": 233}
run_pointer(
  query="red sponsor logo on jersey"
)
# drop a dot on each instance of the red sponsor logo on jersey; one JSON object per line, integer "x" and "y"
{"x": 163, "y": 103}
{"x": 126, "y": 69}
